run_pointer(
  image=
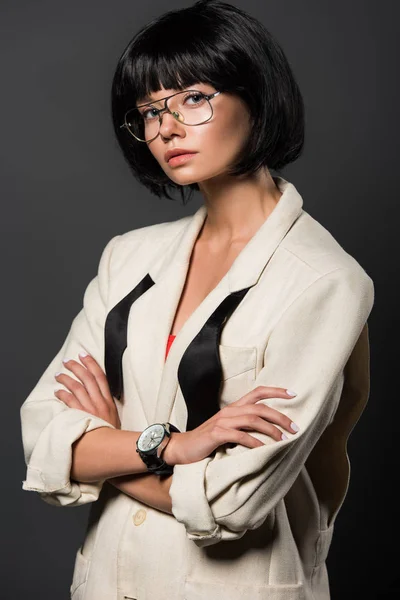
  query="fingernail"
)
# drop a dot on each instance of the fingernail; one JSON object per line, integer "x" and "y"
{"x": 83, "y": 354}
{"x": 284, "y": 437}
{"x": 65, "y": 360}
{"x": 57, "y": 374}
{"x": 291, "y": 393}
{"x": 294, "y": 426}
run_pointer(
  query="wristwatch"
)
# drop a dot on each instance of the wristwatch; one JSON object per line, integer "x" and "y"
{"x": 150, "y": 444}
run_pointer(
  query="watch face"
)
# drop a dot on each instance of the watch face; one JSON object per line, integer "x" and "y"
{"x": 151, "y": 437}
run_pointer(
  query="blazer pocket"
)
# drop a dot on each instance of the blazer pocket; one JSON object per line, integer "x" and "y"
{"x": 198, "y": 590}
{"x": 81, "y": 570}
{"x": 236, "y": 360}
{"x": 323, "y": 544}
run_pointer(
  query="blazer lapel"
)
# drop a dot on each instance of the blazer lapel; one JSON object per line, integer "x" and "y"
{"x": 152, "y": 313}
{"x": 146, "y": 315}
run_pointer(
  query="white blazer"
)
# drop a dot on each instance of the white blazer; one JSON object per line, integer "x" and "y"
{"x": 247, "y": 523}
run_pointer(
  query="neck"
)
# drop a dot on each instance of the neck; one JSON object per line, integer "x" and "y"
{"x": 237, "y": 207}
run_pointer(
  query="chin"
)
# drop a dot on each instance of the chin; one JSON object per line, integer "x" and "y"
{"x": 186, "y": 182}
{"x": 188, "y": 178}
{"x": 184, "y": 179}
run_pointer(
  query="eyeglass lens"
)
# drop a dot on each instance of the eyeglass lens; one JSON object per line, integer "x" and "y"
{"x": 190, "y": 108}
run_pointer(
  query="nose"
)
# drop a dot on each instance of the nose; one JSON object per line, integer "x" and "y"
{"x": 169, "y": 124}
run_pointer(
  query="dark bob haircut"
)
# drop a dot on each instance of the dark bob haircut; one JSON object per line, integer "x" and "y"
{"x": 216, "y": 43}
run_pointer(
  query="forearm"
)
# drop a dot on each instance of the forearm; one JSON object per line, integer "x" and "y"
{"x": 104, "y": 453}
{"x": 147, "y": 488}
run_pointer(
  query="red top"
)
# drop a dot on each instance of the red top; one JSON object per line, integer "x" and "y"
{"x": 169, "y": 343}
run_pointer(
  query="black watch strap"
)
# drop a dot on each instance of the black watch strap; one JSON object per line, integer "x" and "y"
{"x": 156, "y": 465}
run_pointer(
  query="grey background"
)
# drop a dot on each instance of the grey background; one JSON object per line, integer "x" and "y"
{"x": 66, "y": 191}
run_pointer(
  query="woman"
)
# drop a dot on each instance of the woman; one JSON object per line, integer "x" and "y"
{"x": 227, "y": 352}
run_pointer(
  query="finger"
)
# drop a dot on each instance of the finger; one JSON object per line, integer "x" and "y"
{"x": 93, "y": 366}
{"x": 225, "y": 436}
{"x": 253, "y": 423}
{"x": 68, "y": 398}
{"x": 263, "y": 392}
{"x": 264, "y": 411}
{"x": 88, "y": 379}
{"x": 273, "y": 415}
{"x": 76, "y": 388}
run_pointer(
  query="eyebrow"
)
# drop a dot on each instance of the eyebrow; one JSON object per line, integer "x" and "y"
{"x": 147, "y": 99}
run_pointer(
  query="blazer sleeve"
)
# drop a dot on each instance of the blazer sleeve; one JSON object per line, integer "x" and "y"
{"x": 50, "y": 427}
{"x": 225, "y": 494}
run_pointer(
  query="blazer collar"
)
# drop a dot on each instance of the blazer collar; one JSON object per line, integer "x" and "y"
{"x": 152, "y": 307}
{"x": 254, "y": 257}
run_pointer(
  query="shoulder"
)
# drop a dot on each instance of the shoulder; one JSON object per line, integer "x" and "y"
{"x": 311, "y": 244}
{"x": 164, "y": 230}
{"x": 323, "y": 261}
{"x": 144, "y": 240}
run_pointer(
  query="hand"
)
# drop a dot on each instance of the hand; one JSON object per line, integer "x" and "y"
{"x": 93, "y": 394}
{"x": 226, "y": 426}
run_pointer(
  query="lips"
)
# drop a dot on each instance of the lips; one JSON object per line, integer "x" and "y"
{"x": 177, "y": 152}
{"x": 180, "y": 159}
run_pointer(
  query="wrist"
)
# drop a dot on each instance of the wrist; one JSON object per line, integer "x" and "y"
{"x": 168, "y": 452}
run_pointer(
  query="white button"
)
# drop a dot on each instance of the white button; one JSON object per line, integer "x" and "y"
{"x": 139, "y": 516}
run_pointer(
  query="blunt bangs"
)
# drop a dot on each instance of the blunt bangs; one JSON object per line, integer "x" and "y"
{"x": 216, "y": 43}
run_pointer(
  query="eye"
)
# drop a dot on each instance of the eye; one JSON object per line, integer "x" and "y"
{"x": 198, "y": 98}
{"x": 147, "y": 116}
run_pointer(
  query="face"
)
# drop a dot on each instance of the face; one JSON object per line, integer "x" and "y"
{"x": 215, "y": 144}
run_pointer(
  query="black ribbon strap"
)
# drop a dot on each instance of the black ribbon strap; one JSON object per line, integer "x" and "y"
{"x": 199, "y": 372}
{"x": 116, "y": 334}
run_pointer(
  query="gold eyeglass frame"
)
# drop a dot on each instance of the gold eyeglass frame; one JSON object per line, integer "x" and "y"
{"x": 208, "y": 97}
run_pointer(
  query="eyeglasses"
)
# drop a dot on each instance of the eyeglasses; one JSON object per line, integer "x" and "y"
{"x": 190, "y": 107}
